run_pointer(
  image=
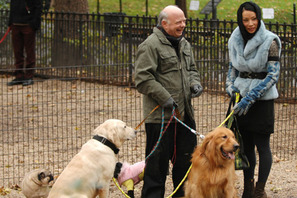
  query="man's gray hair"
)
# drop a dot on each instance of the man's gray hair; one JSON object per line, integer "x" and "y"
{"x": 162, "y": 16}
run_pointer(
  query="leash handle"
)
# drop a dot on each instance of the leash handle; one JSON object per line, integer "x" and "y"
{"x": 5, "y": 35}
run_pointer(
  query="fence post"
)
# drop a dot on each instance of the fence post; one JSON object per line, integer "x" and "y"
{"x": 81, "y": 38}
{"x": 294, "y": 17}
{"x": 130, "y": 52}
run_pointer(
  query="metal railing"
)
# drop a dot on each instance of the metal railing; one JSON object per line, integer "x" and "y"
{"x": 84, "y": 75}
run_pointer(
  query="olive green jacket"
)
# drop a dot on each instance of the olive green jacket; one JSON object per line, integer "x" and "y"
{"x": 160, "y": 74}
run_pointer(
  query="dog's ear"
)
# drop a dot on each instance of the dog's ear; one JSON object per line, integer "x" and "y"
{"x": 205, "y": 143}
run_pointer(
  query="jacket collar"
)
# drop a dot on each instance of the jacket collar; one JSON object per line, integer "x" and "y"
{"x": 162, "y": 37}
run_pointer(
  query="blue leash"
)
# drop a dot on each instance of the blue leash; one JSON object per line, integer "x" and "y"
{"x": 192, "y": 130}
{"x": 162, "y": 131}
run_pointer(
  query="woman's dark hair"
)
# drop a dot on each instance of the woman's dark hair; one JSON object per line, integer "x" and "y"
{"x": 251, "y": 6}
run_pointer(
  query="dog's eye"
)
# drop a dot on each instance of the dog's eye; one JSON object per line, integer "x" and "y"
{"x": 125, "y": 127}
{"x": 41, "y": 176}
{"x": 225, "y": 137}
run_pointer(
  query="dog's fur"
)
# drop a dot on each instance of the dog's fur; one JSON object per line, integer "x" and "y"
{"x": 37, "y": 183}
{"x": 89, "y": 172}
{"x": 213, "y": 172}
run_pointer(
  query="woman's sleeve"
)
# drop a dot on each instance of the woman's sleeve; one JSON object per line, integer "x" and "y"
{"x": 273, "y": 69}
{"x": 231, "y": 76}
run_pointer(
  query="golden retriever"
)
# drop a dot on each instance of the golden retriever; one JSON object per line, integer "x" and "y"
{"x": 89, "y": 172}
{"x": 213, "y": 172}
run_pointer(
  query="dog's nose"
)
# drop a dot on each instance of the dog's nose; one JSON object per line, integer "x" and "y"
{"x": 235, "y": 147}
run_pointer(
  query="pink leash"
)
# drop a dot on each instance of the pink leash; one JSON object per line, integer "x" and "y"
{"x": 5, "y": 35}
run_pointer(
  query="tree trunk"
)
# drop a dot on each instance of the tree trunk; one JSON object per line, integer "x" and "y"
{"x": 68, "y": 33}
{"x": 182, "y": 4}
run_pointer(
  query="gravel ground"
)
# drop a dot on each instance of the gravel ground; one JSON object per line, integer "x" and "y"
{"x": 282, "y": 182}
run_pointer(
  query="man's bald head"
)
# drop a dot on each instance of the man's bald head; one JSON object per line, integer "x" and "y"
{"x": 173, "y": 21}
{"x": 167, "y": 12}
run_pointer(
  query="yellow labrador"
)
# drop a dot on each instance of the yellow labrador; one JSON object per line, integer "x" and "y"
{"x": 37, "y": 183}
{"x": 89, "y": 172}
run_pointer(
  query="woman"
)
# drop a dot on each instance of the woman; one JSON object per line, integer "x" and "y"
{"x": 253, "y": 72}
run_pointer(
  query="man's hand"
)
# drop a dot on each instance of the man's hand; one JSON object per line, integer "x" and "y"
{"x": 170, "y": 103}
{"x": 196, "y": 90}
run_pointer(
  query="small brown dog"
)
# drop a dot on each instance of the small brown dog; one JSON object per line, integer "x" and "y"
{"x": 37, "y": 183}
{"x": 213, "y": 172}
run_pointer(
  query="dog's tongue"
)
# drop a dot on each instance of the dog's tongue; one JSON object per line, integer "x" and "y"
{"x": 231, "y": 155}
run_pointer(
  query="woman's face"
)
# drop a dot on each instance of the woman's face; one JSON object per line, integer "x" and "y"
{"x": 250, "y": 21}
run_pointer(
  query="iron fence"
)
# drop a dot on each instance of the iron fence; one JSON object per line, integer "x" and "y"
{"x": 84, "y": 75}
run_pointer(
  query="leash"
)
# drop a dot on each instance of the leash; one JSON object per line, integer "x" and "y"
{"x": 162, "y": 131}
{"x": 146, "y": 117}
{"x": 116, "y": 183}
{"x": 237, "y": 96}
{"x": 192, "y": 130}
{"x": 155, "y": 147}
{"x": 5, "y": 35}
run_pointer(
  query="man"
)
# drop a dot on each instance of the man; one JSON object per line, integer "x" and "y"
{"x": 166, "y": 75}
{"x": 24, "y": 20}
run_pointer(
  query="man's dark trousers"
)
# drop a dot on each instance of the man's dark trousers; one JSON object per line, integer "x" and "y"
{"x": 23, "y": 38}
{"x": 177, "y": 148}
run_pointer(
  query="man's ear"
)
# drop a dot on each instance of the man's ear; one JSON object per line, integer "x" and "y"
{"x": 164, "y": 24}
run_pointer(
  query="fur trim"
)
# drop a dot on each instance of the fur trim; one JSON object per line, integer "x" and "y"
{"x": 131, "y": 172}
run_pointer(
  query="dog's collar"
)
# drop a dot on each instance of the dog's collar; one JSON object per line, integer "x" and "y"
{"x": 106, "y": 142}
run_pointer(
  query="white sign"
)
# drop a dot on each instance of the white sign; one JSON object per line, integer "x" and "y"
{"x": 194, "y": 5}
{"x": 268, "y": 13}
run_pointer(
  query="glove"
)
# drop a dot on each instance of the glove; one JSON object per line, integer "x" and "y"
{"x": 243, "y": 106}
{"x": 117, "y": 169}
{"x": 231, "y": 90}
{"x": 196, "y": 90}
{"x": 170, "y": 103}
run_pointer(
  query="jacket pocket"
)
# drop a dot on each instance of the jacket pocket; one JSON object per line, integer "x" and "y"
{"x": 169, "y": 74}
{"x": 187, "y": 56}
{"x": 168, "y": 63}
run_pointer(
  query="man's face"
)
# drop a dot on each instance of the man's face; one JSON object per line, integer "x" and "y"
{"x": 175, "y": 24}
